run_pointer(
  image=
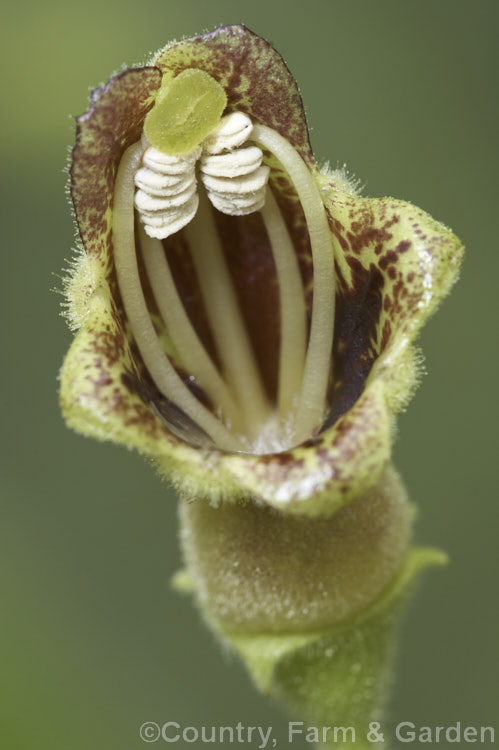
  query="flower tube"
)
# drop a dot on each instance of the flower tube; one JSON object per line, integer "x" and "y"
{"x": 247, "y": 321}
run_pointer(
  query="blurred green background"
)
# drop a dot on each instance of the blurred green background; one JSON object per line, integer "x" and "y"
{"x": 95, "y": 643}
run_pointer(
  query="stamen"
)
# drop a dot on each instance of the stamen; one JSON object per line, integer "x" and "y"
{"x": 195, "y": 359}
{"x": 231, "y": 132}
{"x": 166, "y": 198}
{"x": 162, "y": 372}
{"x": 237, "y": 196}
{"x": 233, "y": 177}
{"x": 292, "y": 306}
{"x": 311, "y": 404}
{"x": 229, "y": 331}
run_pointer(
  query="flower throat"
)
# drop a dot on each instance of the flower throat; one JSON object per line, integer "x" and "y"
{"x": 190, "y": 162}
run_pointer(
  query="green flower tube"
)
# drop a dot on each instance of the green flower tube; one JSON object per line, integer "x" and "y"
{"x": 247, "y": 321}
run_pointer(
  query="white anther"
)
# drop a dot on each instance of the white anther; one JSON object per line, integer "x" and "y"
{"x": 166, "y": 200}
{"x": 145, "y": 202}
{"x": 248, "y": 183}
{"x": 233, "y": 177}
{"x": 238, "y": 196}
{"x": 231, "y": 133}
{"x": 161, "y": 224}
{"x": 233, "y": 163}
{"x": 162, "y": 185}
{"x": 168, "y": 164}
{"x": 235, "y": 181}
{"x": 235, "y": 207}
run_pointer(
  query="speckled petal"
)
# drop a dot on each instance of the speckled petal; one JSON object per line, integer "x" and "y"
{"x": 255, "y": 77}
{"x": 394, "y": 264}
{"x": 325, "y": 473}
{"x": 97, "y": 393}
{"x": 113, "y": 122}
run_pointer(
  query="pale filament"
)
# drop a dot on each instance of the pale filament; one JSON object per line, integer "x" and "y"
{"x": 194, "y": 357}
{"x": 312, "y": 396}
{"x": 292, "y": 307}
{"x": 229, "y": 331}
{"x": 242, "y": 418}
{"x": 155, "y": 360}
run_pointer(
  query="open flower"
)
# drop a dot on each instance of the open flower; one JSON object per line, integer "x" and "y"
{"x": 260, "y": 341}
{"x": 247, "y": 320}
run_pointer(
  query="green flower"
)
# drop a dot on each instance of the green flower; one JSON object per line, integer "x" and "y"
{"x": 393, "y": 264}
{"x": 247, "y": 321}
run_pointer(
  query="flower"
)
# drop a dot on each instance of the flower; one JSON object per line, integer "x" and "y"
{"x": 247, "y": 321}
{"x": 393, "y": 265}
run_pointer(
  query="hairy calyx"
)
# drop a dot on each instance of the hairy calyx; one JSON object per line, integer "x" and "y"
{"x": 222, "y": 170}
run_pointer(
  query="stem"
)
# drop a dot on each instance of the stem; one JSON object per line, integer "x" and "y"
{"x": 155, "y": 360}
{"x": 225, "y": 317}
{"x": 310, "y": 410}
{"x": 292, "y": 305}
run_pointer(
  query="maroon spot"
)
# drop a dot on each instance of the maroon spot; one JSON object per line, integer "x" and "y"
{"x": 113, "y": 122}
{"x": 387, "y": 329}
{"x": 358, "y": 310}
{"x": 403, "y": 246}
{"x": 103, "y": 380}
{"x": 254, "y": 75}
{"x": 389, "y": 257}
{"x": 282, "y": 459}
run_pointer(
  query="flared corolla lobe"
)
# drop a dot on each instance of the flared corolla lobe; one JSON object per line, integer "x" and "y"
{"x": 392, "y": 266}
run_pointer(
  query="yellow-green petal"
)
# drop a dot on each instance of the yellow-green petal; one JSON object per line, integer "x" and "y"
{"x": 394, "y": 264}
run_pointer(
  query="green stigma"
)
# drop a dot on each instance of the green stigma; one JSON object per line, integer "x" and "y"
{"x": 187, "y": 109}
